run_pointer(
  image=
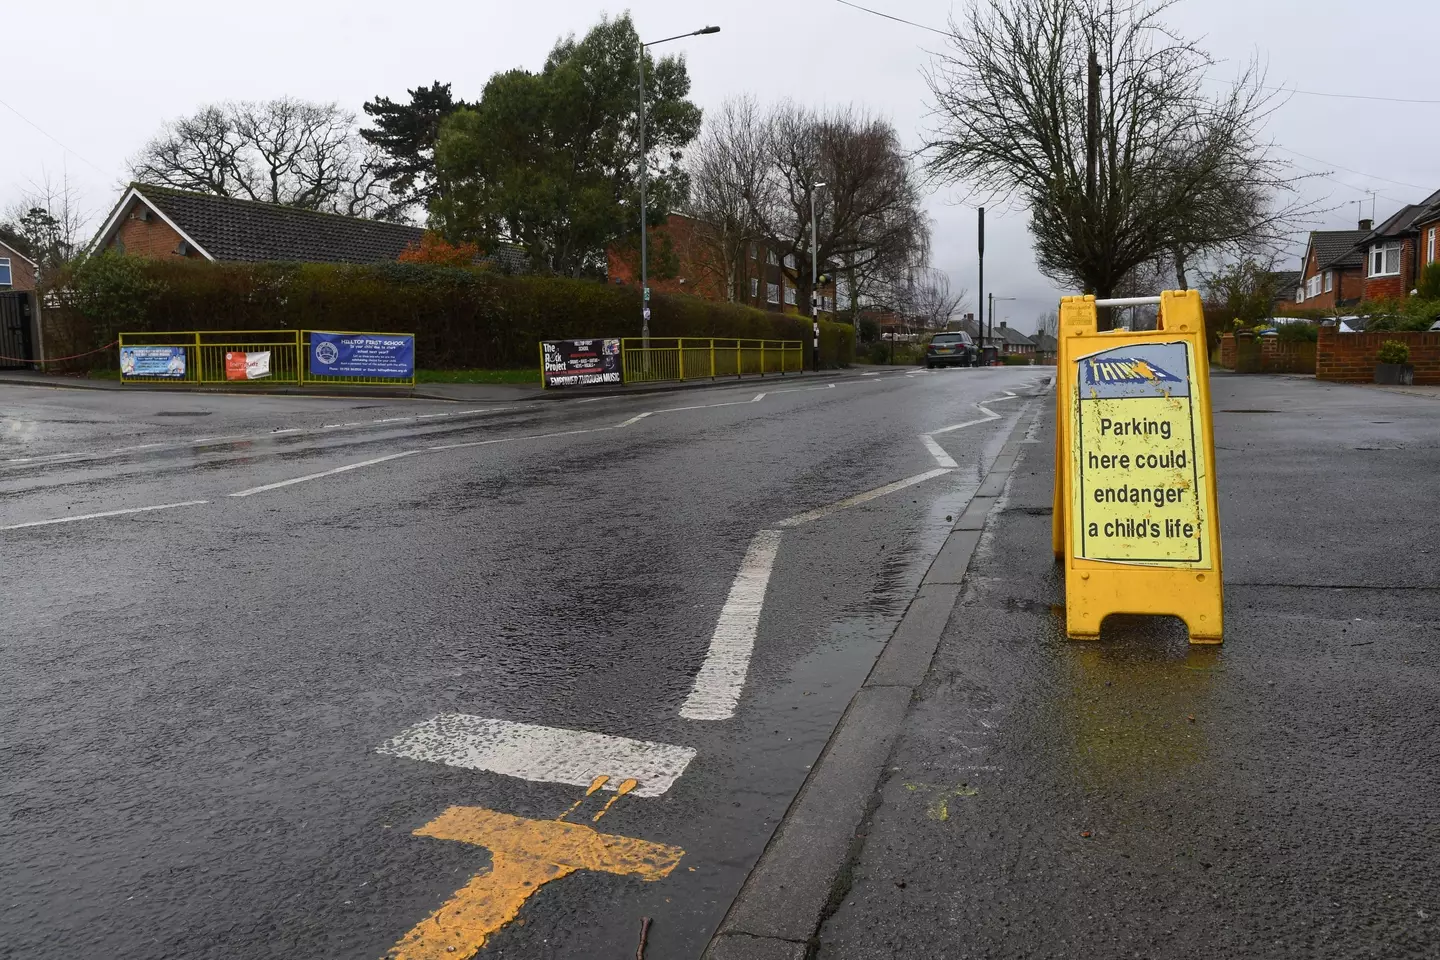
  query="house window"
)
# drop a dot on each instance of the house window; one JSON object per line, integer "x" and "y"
{"x": 1300, "y": 294}
{"x": 754, "y": 251}
{"x": 5, "y": 278}
{"x": 1329, "y": 280}
{"x": 790, "y": 260}
{"x": 754, "y": 287}
{"x": 1312, "y": 286}
{"x": 772, "y": 292}
{"x": 771, "y": 258}
{"x": 790, "y": 296}
{"x": 1430, "y": 245}
{"x": 1385, "y": 259}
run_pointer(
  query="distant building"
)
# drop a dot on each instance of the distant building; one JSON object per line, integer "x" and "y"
{"x": 696, "y": 269}
{"x": 17, "y": 271}
{"x": 1047, "y": 348}
{"x": 1332, "y": 272}
{"x": 1012, "y": 341}
{"x": 1395, "y": 252}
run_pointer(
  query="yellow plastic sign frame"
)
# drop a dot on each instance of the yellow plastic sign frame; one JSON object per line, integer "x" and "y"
{"x": 1183, "y": 577}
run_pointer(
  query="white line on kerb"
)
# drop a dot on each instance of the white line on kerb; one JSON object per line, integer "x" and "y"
{"x": 107, "y": 513}
{"x": 323, "y": 473}
{"x": 545, "y": 754}
{"x": 722, "y": 676}
{"x": 860, "y": 498}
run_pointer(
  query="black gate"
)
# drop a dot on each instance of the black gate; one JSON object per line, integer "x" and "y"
{"x": 15, "y": 349}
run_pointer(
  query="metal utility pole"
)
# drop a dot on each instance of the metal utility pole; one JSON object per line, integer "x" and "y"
{"x": 982, "y": 279}
{"x": 815, "y": 275}
{"x": 644, "y": 178}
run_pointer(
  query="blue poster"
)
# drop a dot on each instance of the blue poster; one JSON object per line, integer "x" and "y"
{"x": 362, "y": 355}
{"x": 152, "y": 362}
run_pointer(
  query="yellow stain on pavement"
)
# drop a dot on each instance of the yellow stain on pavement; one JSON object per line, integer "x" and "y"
{"x": 526, "y": 855}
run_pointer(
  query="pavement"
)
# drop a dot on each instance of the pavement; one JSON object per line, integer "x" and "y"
{"x": 1024, "y": 795}
{"x": 351, "y": 677}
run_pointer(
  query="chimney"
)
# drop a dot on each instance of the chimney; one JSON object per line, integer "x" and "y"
{"x": 1002, "y": 324}
{"x": 1367, "y": 225}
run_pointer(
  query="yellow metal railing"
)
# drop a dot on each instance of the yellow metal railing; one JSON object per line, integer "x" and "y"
{"x": 695, "y": 358}
{"x": 204, "y": 356}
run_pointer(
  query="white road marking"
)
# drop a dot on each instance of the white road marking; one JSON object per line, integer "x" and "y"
{"x": 757, "y": 398}
{"x": 722, "y": 676}
{"x": 938, "y": 452}
{"x": 865, "y": 497}
{"x": 635, "y": 419}
{"x": 545, "y": 754}
{"x": 107, "y": 513}
{"x": 323, "y": 473}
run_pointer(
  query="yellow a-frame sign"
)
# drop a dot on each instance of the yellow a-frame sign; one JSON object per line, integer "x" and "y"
{"x": 1136, "y": 521}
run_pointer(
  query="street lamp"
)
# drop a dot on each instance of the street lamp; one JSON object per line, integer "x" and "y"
{"x": 815, "y": 274}
{"x": 644, "y": 176}
{"x": 991, "y": 335}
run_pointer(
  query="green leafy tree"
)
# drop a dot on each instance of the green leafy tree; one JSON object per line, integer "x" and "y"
{"x": 405, "y": 134}
{"x": 1245, "y": 290}
{"x": 549, "y": 161}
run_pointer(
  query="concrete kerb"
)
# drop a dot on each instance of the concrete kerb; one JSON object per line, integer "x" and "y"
{"x": 803, "y": 873}
{"x": 457, "y": 392}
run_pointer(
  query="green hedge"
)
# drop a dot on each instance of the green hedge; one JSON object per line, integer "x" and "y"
{"x": 461, "y": 318}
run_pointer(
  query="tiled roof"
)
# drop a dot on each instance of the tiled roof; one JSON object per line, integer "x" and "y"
{"x": 1338, "y": 248}
{"x": 1286, "y": 279}
{"x": 250, "y": 231}
{"x": 1046, "y": 343}
{"x": 1013, "y": 336}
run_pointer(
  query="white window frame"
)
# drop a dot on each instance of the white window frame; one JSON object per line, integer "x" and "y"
{"x": 790, "y": 260}
{"x": 1329, "y": 280}
{"x": 772, "y": 258}
{"x": 790, "y": 295}
{"x": 9, "y": 280}
{"x": 772, "y": 292}
{"x": 1430, "y": 244}
{"x": 1382, "y": 253}
{"x": 754, "y": 287}
{"x": 1300, "y": 293}
{"x": 1312, "y": 287}
{"x": 754, "y": 250}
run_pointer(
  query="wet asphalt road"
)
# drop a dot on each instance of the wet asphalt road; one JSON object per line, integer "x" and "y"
{"x": 1274, "y": 797}
{"x": 195, "y": 695}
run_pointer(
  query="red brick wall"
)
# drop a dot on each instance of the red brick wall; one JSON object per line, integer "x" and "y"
{"x": 1389, "y": 288}
{"x": 1227, "y": 351}
{"x": 1350, "y": 357}
{"x": 1279, "y": 356}
{"x": 152, "y": 238}
{"x": 22, "y": 275}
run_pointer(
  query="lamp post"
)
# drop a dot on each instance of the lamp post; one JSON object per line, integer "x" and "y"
{"x": 815, "y": 275}
{"x": 991, "y": 334}
{"x": 644, "y": 176}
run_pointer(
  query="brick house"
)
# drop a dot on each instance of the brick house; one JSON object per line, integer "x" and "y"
{"x": 1333, "y": 271}
{"x": 759, "y": 276}
{"x": 1286, "y": 284}
{"x": 17, "y": 271}
{"x": 1395, "y": 251}
{"x": 164, "y": 223}
{"x": 1013, "y": 341}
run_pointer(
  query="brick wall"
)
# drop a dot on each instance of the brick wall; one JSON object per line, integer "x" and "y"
{"x": 1227, "y": 351}
{"x": 1279, "y": 356}
{"x": 152, "y": 238}
{"x": 1350, "y": 357}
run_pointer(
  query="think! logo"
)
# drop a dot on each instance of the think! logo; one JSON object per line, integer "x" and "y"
{"x": 1129, "y": 370}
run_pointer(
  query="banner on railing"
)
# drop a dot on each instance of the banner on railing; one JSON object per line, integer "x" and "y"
{"x": 388, "y": 355}
{"x": 249, "y": 365}
{"x": 579, "y": 363}
{"x": 152, "y": 362}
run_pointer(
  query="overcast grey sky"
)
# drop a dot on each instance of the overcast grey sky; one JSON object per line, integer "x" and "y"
{"x": 102, "y": 75}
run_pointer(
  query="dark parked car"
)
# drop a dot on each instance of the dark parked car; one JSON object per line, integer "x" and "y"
{"x": 951, "y": 349}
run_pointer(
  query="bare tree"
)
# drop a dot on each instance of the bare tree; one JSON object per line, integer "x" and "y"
{"x": 869, "y": 210}
{"x": 932, "y": 300}
{"x": 726, "y": 167}
{"x": 1048, "y": 324}
{"x": 46, "y": 223}
{"x": 284, "y": 151}
{"x": 1092, "y": 111}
